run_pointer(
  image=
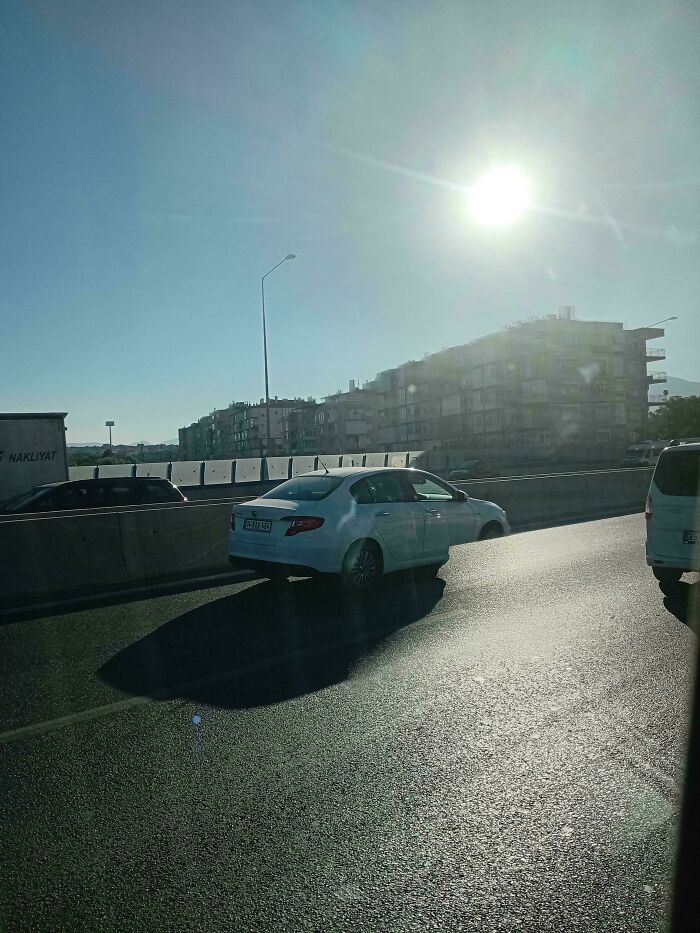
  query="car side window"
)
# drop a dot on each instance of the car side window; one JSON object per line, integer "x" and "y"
{"x": 428, "y": 488}
{"x": 97, "y": 495}
{"x": 361, "y": 493}
{"x": 64, "y": 497}
{"x": 386, "y": 488}
{"x": 123, "y": 493}
{"x": 157, "y": 492}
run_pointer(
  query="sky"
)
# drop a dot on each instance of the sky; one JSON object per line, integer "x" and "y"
{"x": 159, "y": 156}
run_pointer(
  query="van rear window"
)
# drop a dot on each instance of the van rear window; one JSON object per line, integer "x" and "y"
{"x": 678, "y": 473}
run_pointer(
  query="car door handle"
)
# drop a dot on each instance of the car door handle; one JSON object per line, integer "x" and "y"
{"x": 433, "y": 511}
{"x": 379, "y": 514}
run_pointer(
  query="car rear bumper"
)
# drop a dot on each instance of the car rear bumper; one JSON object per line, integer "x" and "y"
{"x": 290, "y": 553}
{"x": 686, "y": 564}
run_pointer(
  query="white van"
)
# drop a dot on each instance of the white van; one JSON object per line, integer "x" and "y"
{"x": 672, "y": 513}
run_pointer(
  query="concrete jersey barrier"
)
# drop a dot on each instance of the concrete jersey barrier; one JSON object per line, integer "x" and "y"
{"x": 55, "y": 555}
{"x": 531, "y": 500}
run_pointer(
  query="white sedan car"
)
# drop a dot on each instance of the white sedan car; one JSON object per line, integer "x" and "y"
{"x": 357, "y": 522}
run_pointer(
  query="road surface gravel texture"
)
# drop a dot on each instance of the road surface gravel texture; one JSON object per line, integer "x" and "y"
{"x": 498, "y": 749}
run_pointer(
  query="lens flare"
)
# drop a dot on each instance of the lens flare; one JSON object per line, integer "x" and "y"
{"x": 499, "y": 197}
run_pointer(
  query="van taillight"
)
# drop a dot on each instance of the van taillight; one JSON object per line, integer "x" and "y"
{"x": 649, "y": 510}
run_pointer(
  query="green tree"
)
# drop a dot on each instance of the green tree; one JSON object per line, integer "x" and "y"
{"x": 677, "y": 417}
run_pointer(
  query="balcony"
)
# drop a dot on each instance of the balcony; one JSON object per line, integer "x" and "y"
{"x": 656, "y": 377}
{"x": 655, "y": 353}
{"x": 656, "y": 400}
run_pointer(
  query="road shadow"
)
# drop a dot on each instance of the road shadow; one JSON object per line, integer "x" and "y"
{"x": 268, "y": 643}
{"x": 683, "y": 601}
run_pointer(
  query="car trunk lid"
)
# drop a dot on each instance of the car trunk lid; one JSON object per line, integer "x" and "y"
{"x": 264, "y": 522}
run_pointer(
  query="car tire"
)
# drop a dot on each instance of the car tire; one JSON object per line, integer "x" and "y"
{"x": 362, "y": 567}
{"x": 667, "y": 576}
{"x": 491, "y": 530}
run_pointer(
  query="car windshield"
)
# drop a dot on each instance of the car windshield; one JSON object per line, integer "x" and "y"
{"x": 305, "y": 488}
{"x": 678, "y": 473}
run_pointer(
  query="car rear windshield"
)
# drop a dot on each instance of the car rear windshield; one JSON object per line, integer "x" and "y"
{"x": 305, "y": 488}
{"x": 678, "y": 473}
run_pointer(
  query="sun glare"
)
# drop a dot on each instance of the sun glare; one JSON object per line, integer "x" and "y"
{"x": 499, "y": 197}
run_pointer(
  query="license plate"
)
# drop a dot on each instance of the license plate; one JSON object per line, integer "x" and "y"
{"x": 256, "y": 524}
{"x": 690, "y": 537}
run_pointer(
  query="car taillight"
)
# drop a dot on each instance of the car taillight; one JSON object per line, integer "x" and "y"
{"x": 233, "y": 522}
{"x": 649, "y": 509}
{"x": 302, "y": 523}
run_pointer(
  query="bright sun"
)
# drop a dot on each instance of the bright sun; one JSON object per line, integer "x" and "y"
{"x": 499, "y": 197}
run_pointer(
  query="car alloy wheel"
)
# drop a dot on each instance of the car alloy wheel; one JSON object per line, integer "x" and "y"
{"x": 363, "y": 569}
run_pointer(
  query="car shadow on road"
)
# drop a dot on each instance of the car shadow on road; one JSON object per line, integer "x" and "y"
{"x": 268, "y": 643}
{"x": 683, "y": 601}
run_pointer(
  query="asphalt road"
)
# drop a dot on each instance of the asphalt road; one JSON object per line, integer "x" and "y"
{"x": 499, "y": 749}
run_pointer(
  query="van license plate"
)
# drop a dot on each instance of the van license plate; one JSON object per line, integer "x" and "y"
{"x": 690, "y": 537}
{"x": 255, "y": 524}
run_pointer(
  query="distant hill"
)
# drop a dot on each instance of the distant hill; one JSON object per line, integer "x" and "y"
{"x": 171, "y": 443}
{"x": 677, "y": 386}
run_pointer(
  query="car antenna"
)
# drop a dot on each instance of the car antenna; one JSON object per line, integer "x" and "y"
{"x": 322, "y": 464}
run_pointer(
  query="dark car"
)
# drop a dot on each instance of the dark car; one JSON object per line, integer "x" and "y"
{"x": 92, "y": 494}
{"x": 473, "y": 469}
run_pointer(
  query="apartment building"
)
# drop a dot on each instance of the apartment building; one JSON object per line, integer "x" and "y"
{"x": 553, "y": 389}
{"x": 212, "y": 436}
{"x": 300, "y": 430}
{"x": 420, "y": 404}
{"x": 195, "y": 441}
{"x": 224, "y": 430}
{"x": 250, "y": 428}
{"x": 345, "y": 422}
{"x": 548, "y": 389}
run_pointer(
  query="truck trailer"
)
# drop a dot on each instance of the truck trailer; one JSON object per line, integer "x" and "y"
{"x": 32, "y": 451}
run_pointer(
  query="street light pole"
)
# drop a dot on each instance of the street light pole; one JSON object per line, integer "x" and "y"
{"x": 674, "y": 318}
{"x": 264, "y": 324}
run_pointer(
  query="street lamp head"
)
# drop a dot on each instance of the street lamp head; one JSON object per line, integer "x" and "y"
{"x": 290, "y": 256}
{"x": 672, "y": 318}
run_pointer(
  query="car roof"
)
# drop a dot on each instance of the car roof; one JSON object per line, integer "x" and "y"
{"x": 342, "y": 472}
{"x": 681, "y": 446}
{"x": 104, "y": 479}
